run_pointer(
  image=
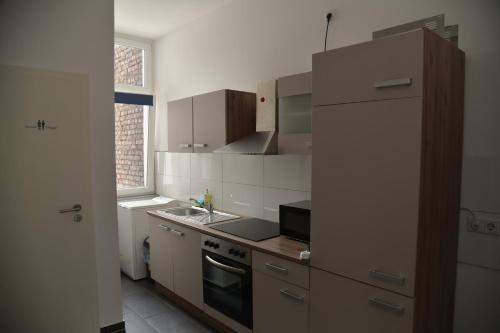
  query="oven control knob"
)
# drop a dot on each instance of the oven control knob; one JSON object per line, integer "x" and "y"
{"x": 216, "y": 246}
{"x": 236, "y": 253}
{"x": 207, "y": 243}
{"x": 242, "y": 254}
{"x": 231, "y": 251}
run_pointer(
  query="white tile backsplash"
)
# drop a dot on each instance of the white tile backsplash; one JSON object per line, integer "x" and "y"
{"x": 274, "y": 197}
{"x": 206, "y": 166}
{"x": 173, "y": 164}
{"x": 244, "y": 184}
{"x": 291, "y": 172}
{"x": 242, "y": 199}
{"x": 199, "y": 186}
{"x": 172, "y": 187}
{"x": 242, "y": 169}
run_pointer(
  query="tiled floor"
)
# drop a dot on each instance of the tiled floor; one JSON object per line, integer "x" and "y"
{"x": 146, "y": 311}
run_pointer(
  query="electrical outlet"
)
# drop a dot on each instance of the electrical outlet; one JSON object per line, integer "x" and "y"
{"x": 484, "y": 223}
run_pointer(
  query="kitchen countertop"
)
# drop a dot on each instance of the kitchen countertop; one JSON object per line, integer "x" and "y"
{"x": 278, "y": 246}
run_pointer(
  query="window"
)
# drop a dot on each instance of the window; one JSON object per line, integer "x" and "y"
{"x": 134, "y": 121}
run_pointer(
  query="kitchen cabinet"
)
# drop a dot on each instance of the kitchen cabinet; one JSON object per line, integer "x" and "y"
{"x": 209, "y": 121}
{"x": 279, "y": 306}
{"x": 180, "y": 126}
{"x": 267, "y": 116}
{"x": 386, "y": 171}
{"x": 176, "y": 259}
{"x": 294, "y": 94}
{"x": 343, "y": 305}
{"x": 280, "y": 294}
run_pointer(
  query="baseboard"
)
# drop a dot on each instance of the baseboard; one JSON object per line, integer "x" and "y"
{"x": 115, "y": 328}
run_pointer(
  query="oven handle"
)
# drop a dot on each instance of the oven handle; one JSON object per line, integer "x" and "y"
{"x": 225, "y": 267}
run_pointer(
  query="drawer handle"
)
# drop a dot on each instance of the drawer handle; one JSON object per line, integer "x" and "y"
{"x": 200, "y": 145}
{"x": 164, "y": 227}
{"x": 392, "y": 83}
{"x": 177, "y": 232}
{"x": 387, "y": 277}
{"x": 276, "y": 269}
{"x": 291, "y": 295}
{"x": 386, "y": 305}
{"x": 185, "y": 145}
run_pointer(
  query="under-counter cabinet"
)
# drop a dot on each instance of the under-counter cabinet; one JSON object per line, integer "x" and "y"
{"x": 176, "y": 259}
{"x": 280, "y": 295}
{"x": 386, "y": 171}
{"x": 209, "y": 121}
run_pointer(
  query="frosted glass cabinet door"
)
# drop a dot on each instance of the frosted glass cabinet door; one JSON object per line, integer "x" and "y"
{"x": 365, "y": 191}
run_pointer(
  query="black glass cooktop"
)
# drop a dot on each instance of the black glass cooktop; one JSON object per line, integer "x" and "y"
{"x": 253, "y": 229}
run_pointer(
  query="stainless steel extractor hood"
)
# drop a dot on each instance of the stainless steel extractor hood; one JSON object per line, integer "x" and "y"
{"x": 265, "y": 140}
{"x": 258, "y": 143}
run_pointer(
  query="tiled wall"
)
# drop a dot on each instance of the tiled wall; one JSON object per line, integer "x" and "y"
{"x": 250, "y": 185}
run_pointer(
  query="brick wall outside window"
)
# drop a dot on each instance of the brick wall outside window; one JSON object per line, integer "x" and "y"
{"x": 129, "y": 121}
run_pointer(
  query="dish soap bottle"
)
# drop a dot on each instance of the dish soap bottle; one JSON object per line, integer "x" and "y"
{"x": 209, "y": 202}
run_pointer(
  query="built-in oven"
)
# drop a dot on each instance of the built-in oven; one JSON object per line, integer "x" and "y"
{"x": 227, "y": 279}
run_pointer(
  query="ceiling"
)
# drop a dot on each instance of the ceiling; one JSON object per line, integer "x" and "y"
{"x": 154, "y": 18}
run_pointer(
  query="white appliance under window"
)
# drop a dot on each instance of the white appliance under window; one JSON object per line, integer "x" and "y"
{"x": 133, "y": 229}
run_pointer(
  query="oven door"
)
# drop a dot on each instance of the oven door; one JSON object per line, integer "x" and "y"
{"x": 227, "y": 287}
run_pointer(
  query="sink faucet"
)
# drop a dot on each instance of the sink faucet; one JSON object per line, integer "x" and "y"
{"x": 209, "y": 209}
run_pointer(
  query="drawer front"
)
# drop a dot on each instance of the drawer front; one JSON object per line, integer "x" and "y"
{"x": 343, "y": 305}
{"x": 386, "y": 68}
{"x": 365, "y": 190}
{"x": 279, "y": 306}
{"x": 281, "y": 269}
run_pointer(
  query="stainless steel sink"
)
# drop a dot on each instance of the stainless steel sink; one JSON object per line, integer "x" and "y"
{"x": 196, "y": 215}
{"x": 185, "y": 211}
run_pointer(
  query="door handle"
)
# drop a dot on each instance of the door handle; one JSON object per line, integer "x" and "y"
{"x": 177, "y": 232}
{"x": 200, "y": 145}
{"x": 392, "y": 83}
{"x": 185, "y": 145}
{"x": 75, "y": 208}
{"x": 291, "y": 295}
{"x": 225, "y": 267}
{"x": 386, "y": 305}
{"x": 387, "y": 277}
{"x": 164, "y": 227}
{"x": 276, "y": 269}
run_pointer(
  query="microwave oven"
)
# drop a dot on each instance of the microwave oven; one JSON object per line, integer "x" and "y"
{"x": 295, "y": 220}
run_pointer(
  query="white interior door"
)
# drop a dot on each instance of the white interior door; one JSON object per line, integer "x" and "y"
{"x": 48, "y": 277}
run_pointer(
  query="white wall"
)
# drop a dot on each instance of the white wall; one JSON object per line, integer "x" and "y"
{"x": 77, "y": 36}
{"x": 246, "y": 42}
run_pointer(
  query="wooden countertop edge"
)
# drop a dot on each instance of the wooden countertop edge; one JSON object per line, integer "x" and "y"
{"x": 279, "y": 246}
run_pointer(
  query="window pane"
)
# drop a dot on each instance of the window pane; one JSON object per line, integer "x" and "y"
{"x": 129, "y": 66}
{"x": 129, "y": 142}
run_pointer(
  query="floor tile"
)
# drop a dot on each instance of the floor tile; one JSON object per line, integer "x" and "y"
{"x": 135, "y": 324}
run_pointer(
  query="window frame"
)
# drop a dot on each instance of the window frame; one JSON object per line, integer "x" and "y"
{"x": 148, "y": 121}
{"x": 146, "y": 71}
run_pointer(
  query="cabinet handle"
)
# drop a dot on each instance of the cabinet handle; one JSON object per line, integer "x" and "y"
{"x": 386, "y": 305}
{"x": 164, "y": 227}
{"x": 387, "y": 277}
{"x": 200, "y": 145}
{"x": 185, "y": 145}
{"x": 177, "y": 232}
{"x": 291, "y": 295}
{"x": 392, "y": 83}
{"x": 276, "y": 269}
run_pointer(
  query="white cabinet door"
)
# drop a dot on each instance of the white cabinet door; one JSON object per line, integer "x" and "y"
{"x": 161, "y": 248}
{"x": 365, "y": 191}
{"x": 279, "y": 306}
{"x": 186, "y": 256}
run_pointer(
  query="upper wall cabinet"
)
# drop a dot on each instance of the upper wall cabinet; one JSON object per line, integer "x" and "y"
{"x": 206, "y": 122}
{"x": 294, "y": 94}
{"x": 385, "y": 68}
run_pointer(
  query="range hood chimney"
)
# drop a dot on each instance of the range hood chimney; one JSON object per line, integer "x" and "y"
{"x": 265, "y": 140}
